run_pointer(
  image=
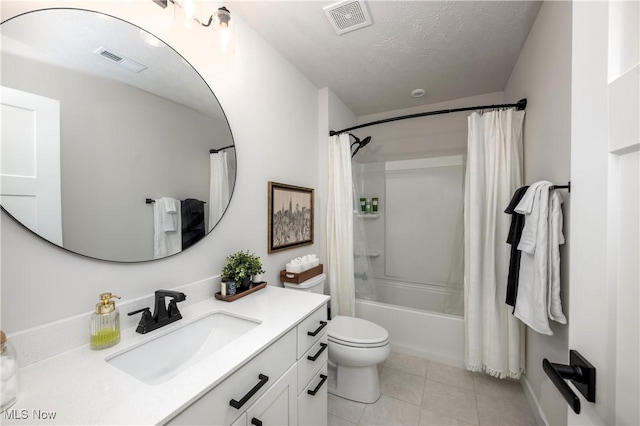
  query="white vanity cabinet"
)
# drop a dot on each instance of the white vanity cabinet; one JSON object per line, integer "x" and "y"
{"x": 312, "y": 368}
{"x": 273, "y": 387}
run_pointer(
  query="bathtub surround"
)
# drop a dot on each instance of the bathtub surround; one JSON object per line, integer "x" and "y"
{"x": 432, "y": 335}
{"x": 340, "y": 227}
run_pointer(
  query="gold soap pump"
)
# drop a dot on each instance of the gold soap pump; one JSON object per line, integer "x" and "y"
{"x": 105, "y": 323}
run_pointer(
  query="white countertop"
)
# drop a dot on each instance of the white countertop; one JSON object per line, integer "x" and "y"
{"x": 80, "y": 387}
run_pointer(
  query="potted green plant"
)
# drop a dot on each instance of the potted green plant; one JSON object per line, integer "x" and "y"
{"x": 241, "y": 266}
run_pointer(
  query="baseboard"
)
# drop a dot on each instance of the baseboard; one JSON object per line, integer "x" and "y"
{"x": 533, "y": 402}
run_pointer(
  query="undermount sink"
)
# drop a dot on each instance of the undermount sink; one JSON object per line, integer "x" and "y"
{"x": 157, "y": 360}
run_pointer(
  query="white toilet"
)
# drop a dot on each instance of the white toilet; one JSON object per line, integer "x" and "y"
{"x": 356, "y": 346}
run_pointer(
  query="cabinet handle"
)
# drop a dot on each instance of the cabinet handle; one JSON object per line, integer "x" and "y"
{"x": 323, "y": 346}
{"x": 237, "y": 404}
{"x": 323, "y": 324}
{"x": 315, "y": 391}
{"x": 256, "y": 422}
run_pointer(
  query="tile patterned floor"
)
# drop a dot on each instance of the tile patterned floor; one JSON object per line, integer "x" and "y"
{"x": 416, "y": 391}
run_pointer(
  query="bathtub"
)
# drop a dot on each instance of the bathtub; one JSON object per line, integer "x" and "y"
{"x": 426, "y": 333}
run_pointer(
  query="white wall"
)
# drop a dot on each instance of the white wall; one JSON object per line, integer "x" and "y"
{"x": 542, "y": 74}
{"x": 273, "y": 113}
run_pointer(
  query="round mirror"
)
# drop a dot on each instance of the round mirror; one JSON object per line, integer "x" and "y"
{"x": 113, "y": 146}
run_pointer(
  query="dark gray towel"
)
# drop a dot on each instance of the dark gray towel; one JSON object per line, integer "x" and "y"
{"x": 515, "y": 232}
{"x": 192, "y": 222}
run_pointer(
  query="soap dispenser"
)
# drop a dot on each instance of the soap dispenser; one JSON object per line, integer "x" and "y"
{"x": 105, "y": 323}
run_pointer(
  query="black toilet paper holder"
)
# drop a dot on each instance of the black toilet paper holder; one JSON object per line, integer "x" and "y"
{"x": 581, "y": 373}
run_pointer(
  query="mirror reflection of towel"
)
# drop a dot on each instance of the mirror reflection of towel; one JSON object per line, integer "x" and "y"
{"x": 169, "y": 213}
{"x": 192, "y": 222}
{"x": 166, "y": 236}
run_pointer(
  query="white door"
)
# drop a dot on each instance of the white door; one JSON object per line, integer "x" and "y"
{"x": 604, "y": 324}
{"x": 30, "y": 161}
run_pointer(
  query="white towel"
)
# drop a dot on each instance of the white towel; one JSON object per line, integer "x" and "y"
{"x": 556, "y": 238}
{"x": 166, "y": 243}
{"x": 532, "y": 303}
{"x": 528, "y": 207}
{"x": 170, "y": 212}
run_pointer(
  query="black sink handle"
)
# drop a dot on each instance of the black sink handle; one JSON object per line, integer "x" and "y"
{"x": 237, "y": 404}
{"x": 323, "y": 324}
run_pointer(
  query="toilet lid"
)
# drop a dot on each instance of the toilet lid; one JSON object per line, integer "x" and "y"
{"x": 357, "y": 331}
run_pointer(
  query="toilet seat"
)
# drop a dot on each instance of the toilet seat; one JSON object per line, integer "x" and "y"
{"x": 356, "y": 332}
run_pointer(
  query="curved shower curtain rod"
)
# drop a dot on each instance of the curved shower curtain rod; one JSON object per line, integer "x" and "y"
{"x": 520, "y": 105}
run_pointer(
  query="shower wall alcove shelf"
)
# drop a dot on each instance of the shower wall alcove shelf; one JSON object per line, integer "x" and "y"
{"x": 368, "y": 215}
{"x": 369, "y": 253}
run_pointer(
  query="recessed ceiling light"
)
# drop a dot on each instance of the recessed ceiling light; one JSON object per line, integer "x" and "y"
{"x": 418, "y": 93}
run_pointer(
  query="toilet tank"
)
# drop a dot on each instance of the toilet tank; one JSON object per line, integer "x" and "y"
{"x": 312, "y": 285}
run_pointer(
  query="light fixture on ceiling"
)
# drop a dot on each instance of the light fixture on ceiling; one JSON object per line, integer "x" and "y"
{"x": 418, "y": 93}
{"x": 223, "y": 27}
{"x": 221, "y": 20}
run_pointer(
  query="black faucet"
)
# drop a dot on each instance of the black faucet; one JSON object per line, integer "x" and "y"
{"x": 162, "y": 315}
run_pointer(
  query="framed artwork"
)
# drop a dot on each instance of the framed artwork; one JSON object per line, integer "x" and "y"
{"x": 290, "y": 216}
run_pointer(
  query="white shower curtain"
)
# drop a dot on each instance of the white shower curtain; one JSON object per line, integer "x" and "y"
{"x": 494, "y": 338}
{"x": 218, "y": 187}
{"x": 340, "y": 227}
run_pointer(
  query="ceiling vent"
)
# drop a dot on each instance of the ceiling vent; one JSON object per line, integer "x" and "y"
{"x": 346, "y": 16}
{"x": 119, "y": 59}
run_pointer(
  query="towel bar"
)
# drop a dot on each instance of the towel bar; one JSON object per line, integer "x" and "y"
{"x": 567, "y": 186}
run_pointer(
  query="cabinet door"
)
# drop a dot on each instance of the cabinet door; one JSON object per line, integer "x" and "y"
{"x": 278, "y": 406}
{"x": 312, "y": 402}
{"x": 241, "y": 421}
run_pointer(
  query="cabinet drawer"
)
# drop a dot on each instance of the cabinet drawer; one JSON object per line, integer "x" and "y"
{"x": 312, "y": 361}
{"x": 214, "y": 408}
{"x": 312, "y": 409}
{"x": 311, "y": 329}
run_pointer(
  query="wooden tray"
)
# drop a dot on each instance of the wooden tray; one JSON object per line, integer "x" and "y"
{"x": 292, "y": 277}
{"x": 236, "y": 296}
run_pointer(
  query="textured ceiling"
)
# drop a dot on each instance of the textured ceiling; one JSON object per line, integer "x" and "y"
{"x": 452, "y": 49}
